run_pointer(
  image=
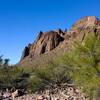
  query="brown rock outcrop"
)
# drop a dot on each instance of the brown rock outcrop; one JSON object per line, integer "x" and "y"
{"x": 26, "y": 51}
{"x": 49, "y": 41}
{"x": 45, "y": 42}
{"x": 85, "y": 22}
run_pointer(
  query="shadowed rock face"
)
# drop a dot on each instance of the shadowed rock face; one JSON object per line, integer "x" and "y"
{"x": 25, "y": 52}
{"x": 48, "y": 41}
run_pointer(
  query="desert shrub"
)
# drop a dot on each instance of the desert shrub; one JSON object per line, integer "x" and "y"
{"x": 80, "y": 66}
{"x": 11, "y": 76}
{"x": 34, "y": 84}
{"x": 83, "y": 63}
{"x": 48, "y": 77}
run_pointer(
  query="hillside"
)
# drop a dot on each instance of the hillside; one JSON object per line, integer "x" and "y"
{"x": 59, "y": 65}
{"x": 50, "y": 44}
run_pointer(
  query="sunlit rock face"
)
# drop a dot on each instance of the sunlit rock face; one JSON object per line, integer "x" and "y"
{"x": 45, "y": 42}
{"x": 85, "y": 22}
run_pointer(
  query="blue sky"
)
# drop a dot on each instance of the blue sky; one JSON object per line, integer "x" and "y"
{"x": 21, "y": 20}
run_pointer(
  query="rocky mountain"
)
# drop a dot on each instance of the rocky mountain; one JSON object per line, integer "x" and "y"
{"x": 52, "y": 43}
{"x": 45, "y": 42}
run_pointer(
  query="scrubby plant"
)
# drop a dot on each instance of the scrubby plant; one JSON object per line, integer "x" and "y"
{"x": 84, "y": 64}
{"x": 48, "y": 77}
{"x": 11, "y": 76}
{"x": 81, "y": 66}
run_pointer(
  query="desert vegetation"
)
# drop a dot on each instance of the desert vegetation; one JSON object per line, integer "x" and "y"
{"x": 80, "y": 66}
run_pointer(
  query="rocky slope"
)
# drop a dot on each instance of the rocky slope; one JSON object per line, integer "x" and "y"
{"x": 63, "y": 92}
{"x": 52, "y": 43}
{"x": 45, "y": 42}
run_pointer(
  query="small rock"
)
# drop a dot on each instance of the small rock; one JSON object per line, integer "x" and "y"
{"x": 14, "y": 94}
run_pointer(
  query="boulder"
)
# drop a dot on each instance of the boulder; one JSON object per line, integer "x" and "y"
{"x": 7, "y": 95}
{"x": 17, "y": 93}
{"x": 14, "y": 94}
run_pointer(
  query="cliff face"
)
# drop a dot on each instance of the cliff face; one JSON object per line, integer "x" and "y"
{"x": 47, "y": 42}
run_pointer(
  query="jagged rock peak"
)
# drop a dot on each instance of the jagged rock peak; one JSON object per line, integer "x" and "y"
{"x": 85, "y": 22}
{"x": 39, "y": 35}
{"x": 45, "y": 42}
{"x": 59, "y": 30}
{"x": 65, "y": 31}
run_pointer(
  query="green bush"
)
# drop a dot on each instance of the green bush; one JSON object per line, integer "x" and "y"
{"x": 83, "y": 63}
{"x": 48, "y": 77}
{"x": 80, "y": 66}
{"x": 11, "y": 76}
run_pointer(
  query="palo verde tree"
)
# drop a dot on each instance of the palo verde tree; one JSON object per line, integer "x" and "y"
{"x": 83, "y": 63}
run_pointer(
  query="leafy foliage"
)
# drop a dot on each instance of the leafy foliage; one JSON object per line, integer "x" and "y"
{"x": 11, "y": 76}
{"x": 48, "y": 77}
{"x": 84, "y": 64}
{"x": 80, "y": 66}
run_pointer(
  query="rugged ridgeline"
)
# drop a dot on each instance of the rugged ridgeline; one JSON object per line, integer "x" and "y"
{"x": 52, "y": 43}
